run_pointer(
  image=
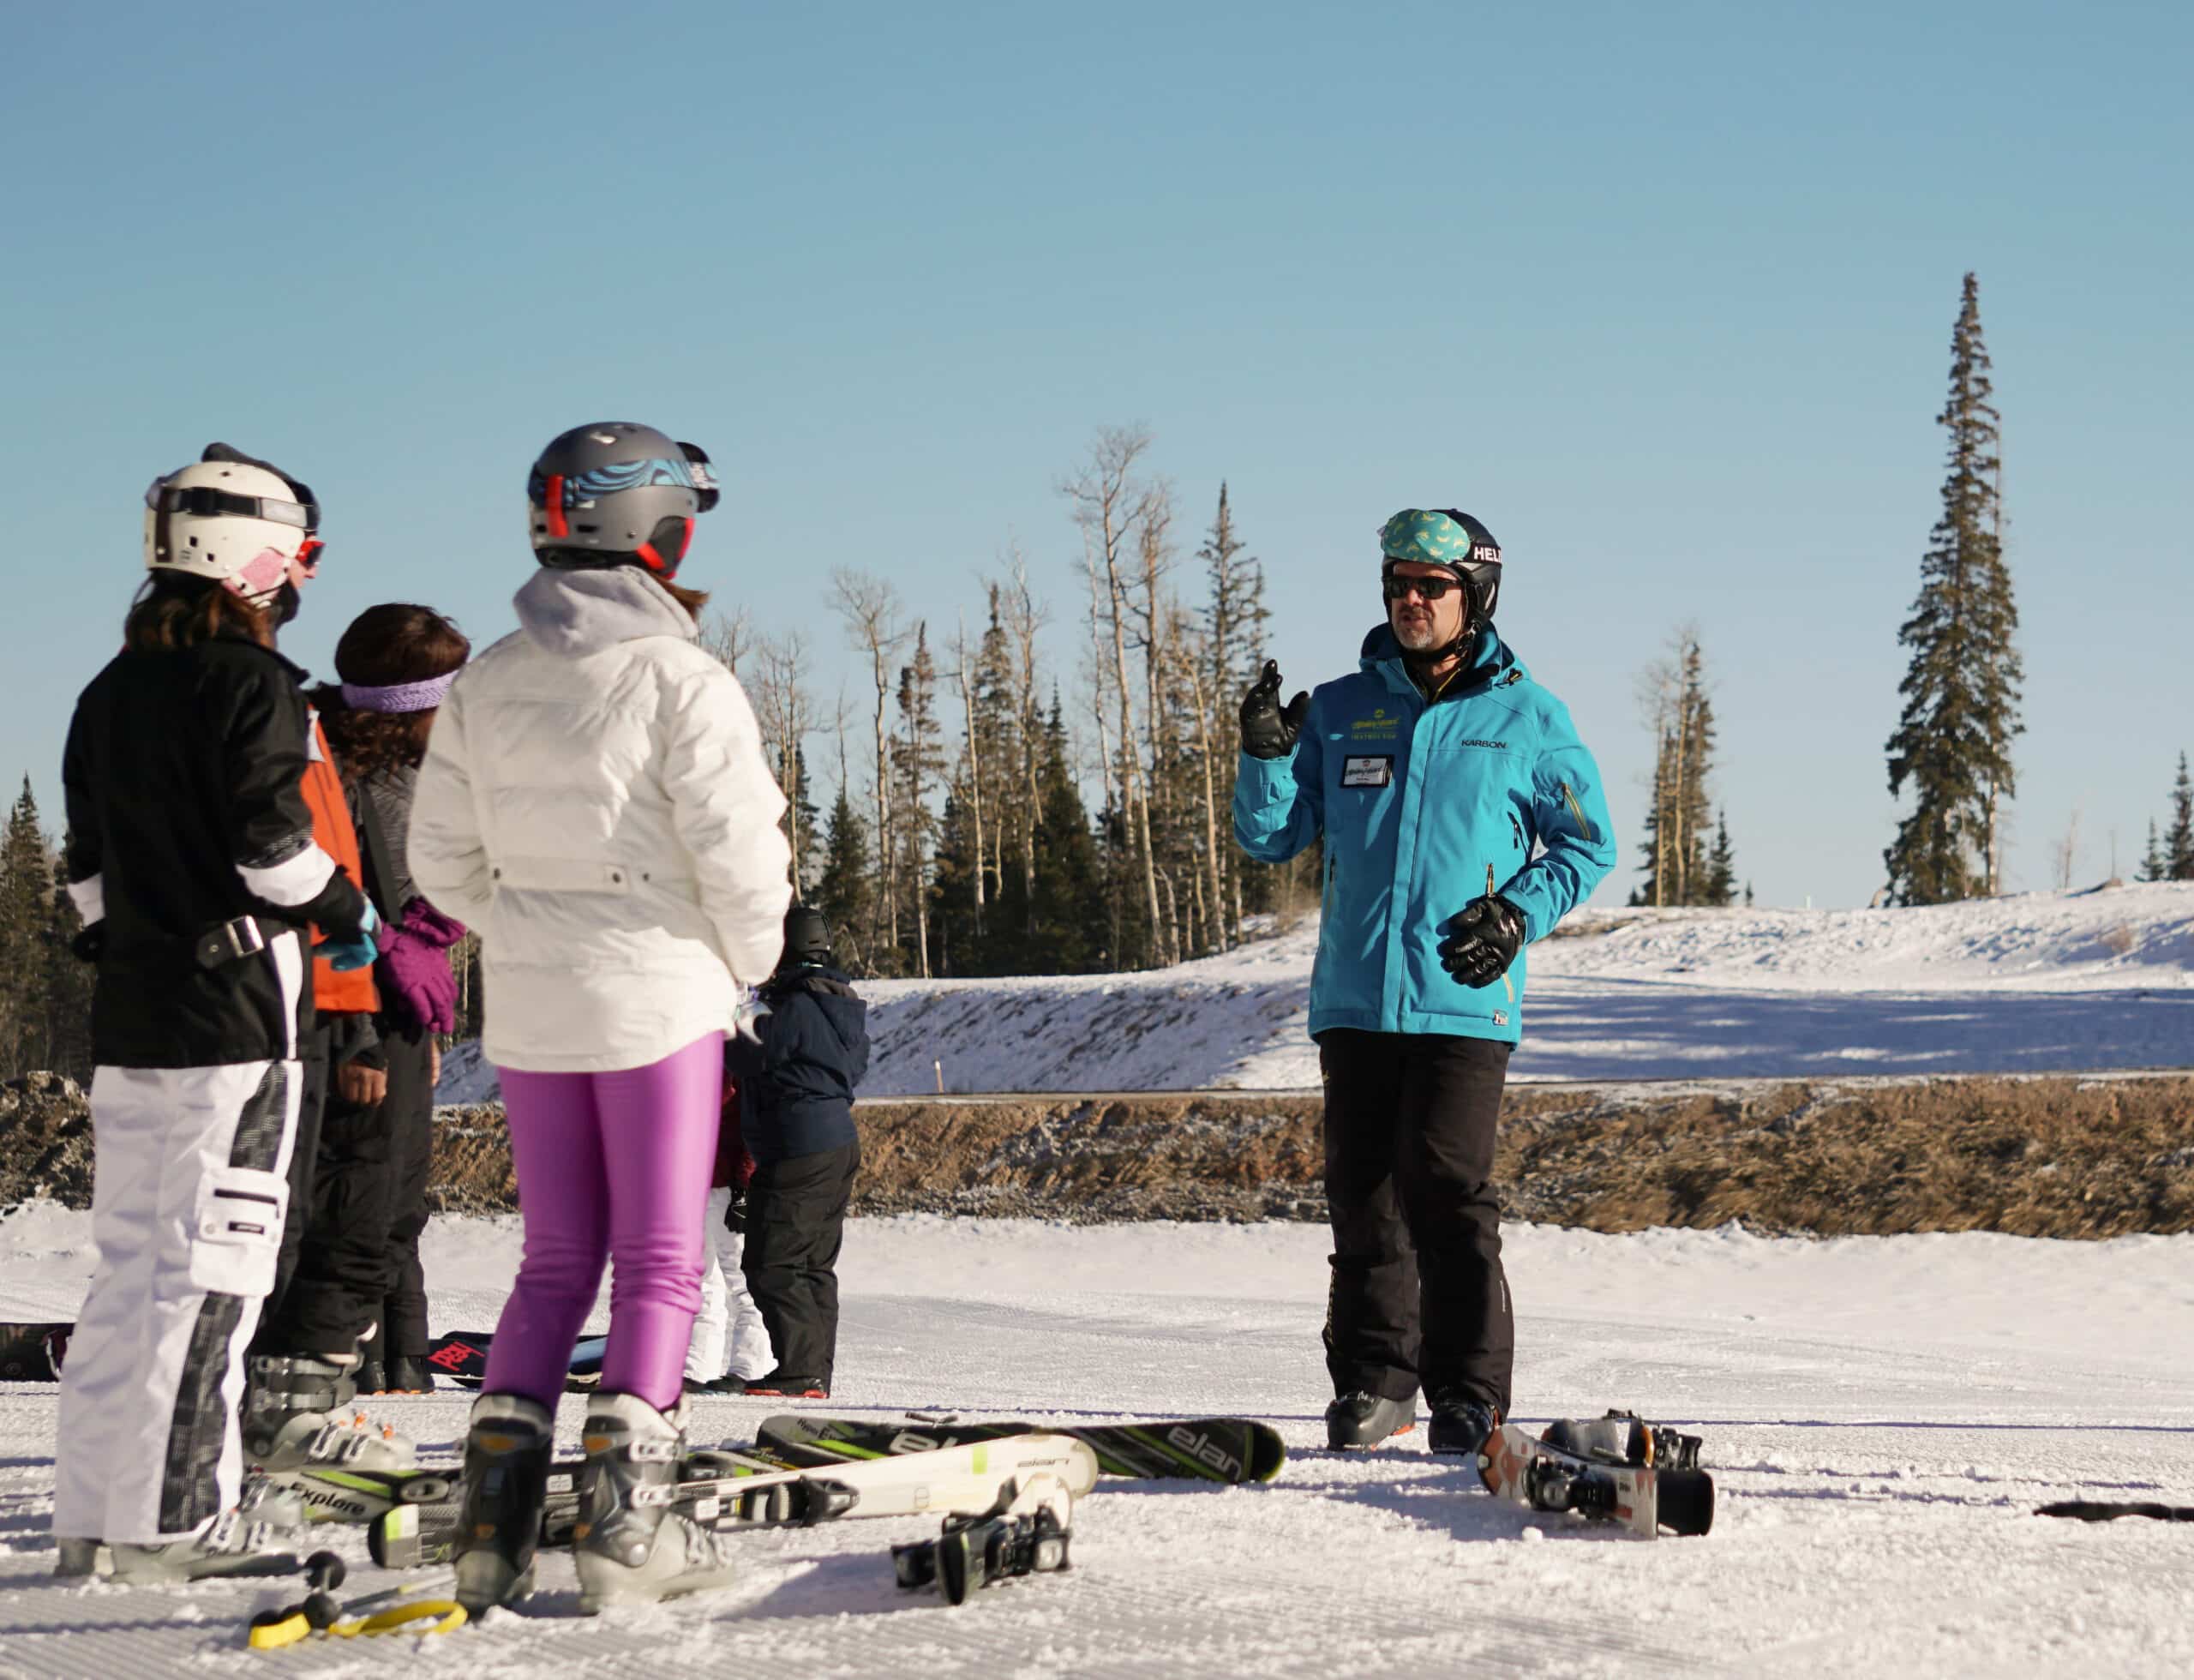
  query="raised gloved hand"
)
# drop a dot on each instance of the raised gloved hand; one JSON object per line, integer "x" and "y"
{"x": 88, "y": 945}
{"x": 345, "y": 952}
{"x": 1482, "y": 941}
{"x": 1269, "y": 728}
{"x": 414, "y": 968}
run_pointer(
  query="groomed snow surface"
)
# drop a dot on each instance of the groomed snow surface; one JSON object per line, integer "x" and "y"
{"x": 2037, "y": 982}
{"x": 1881, "y": 1414}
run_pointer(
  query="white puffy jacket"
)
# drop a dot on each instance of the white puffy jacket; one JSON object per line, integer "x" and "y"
{"x": 596, "y": 804}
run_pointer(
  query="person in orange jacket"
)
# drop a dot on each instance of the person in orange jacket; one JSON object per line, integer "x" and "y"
{"x": 328, "y": 1282}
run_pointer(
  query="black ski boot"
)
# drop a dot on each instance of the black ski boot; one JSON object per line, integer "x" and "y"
{"x": 408, "y": 1374}
{"x": 1364, "y": 1421}
{"x": 1461, "y": 1425}
{"x": 507, "y": 1454}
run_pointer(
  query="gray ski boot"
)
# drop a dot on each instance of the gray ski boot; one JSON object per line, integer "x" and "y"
{"x": 80, "y": 1559}
{"x": 632, "y": 1546}
{"x": 230, "y": 1544}
{"x": 507, "y": 1457}
{"x": 298, "y": 1416}
{"x": 1360, "y": 1420}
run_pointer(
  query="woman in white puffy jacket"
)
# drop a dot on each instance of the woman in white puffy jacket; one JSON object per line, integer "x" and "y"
{"x": 594, "y": 802}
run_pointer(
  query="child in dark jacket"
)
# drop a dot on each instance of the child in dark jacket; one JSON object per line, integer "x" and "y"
{"x": 796, "y": 1096}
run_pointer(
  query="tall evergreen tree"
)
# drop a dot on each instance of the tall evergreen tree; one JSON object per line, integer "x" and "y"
{"x": 2179, "y": 839}
{"x": 844, "y": 890}
{"x": 1721, "y": 884}
{"x": 67, "y": 984}
{"x": 1070, "y": 919}
{"x": 1953, "y": 740}
{"x": 26, "y": 892}
{"x": 2155, "y": 866}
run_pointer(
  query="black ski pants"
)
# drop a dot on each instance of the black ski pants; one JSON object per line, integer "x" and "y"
{"x": 1418, "y": 1299}
{"x": 795, "y": 1226}
{"x": 330, "y": 1283}
{"x": 409, "y": 1117}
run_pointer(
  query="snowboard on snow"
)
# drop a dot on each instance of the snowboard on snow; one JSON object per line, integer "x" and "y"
{"x": 462, "y": 1356}
{"x": 1518, "y": 1465}
{"x": 418, "y": 1521}
{"x": 1211, "y": 1449}
{"x": 34, "y": 1353}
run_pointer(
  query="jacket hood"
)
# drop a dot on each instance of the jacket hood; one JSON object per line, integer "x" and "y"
{"x": 1381, "y": 656}
{"x": 578, "y": 612}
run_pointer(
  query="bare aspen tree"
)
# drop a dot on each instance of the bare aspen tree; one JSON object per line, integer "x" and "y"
{"x": 1110, "y": 504}
{"x": 920, "y": 763}
{"x": 727, "y": 638}
{"x": 870, "y": 607}
{"x": 1023, "y": 619}
{"x": 974, "y": 763}
{"x": 786, "y": 714}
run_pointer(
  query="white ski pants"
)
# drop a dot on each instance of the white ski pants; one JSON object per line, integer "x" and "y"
{"x": 727, "y": 1314}
{"x": 188, "y": 1200}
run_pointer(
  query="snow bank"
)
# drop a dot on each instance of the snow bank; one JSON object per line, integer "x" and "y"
{"x": 2031, "y": 983}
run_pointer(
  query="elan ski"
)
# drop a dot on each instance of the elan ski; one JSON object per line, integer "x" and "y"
{"x": 1212, "y": 1450}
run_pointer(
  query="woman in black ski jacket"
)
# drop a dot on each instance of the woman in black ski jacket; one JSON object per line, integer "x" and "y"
{"x": 191, "y": 860}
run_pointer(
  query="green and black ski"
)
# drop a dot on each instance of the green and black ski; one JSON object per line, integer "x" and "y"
{"x": 1211, "y": 1449}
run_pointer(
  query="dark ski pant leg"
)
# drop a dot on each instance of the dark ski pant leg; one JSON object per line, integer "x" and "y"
{"x": 305, "y": 1159}
{"x": 795, "y": 1227}
{"x": 1371, "y": 1301}
{"x": 410, "y": 1117}
{"x": 1451, "y": 1116}
{"x": 335, "y": 1295}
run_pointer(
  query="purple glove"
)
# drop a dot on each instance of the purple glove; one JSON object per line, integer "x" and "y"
{"x": 415, "y": 970}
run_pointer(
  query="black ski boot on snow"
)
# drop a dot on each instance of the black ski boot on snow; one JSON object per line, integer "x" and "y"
{"x": 1461, "y": 1425}
{"x": 1364, "y": 1421}
{"x": 506, "y": 1455}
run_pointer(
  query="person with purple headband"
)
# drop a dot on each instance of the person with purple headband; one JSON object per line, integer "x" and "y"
{"x": 396, "y": 663}
{"x": 596, "y": 802}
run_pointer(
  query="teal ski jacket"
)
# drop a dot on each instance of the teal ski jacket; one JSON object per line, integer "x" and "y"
{"x": 1421, "y": 804}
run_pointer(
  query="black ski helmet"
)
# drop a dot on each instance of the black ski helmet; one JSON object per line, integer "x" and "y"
{"x": 617, "y": 494}
{"x": 807, "y": 938}
{"x": 1448, "y": 537}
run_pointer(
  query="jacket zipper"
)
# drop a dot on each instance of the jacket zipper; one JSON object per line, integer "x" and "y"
{"x": 1577, "y": 811}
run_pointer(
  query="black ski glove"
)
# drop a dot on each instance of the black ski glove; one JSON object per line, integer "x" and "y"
{"x": 1482, "y": 941}
{"x": 1269, "y": 728}
{"x": 90, "y": 945}
{"x": 734, "y": 1216}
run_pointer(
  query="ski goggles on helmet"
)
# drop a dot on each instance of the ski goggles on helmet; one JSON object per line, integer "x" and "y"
{"x": 206, "y": 501}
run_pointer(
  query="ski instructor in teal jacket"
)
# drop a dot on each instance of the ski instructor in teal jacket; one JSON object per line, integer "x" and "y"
{"x": 1462, "y": 818}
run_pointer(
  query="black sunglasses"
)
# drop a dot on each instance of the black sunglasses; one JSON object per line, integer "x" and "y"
{"x": 1432, "y": 589}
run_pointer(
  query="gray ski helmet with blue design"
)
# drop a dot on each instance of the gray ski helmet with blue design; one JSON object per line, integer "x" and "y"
{"x": 617, "y": 494}
{"x": 1450, "y": 538}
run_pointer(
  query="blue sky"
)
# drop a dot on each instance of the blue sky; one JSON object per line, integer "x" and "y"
{"x": 1663, "y": 294}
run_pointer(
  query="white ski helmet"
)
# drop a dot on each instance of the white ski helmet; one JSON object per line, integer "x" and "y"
{"x": 230, "y": 517}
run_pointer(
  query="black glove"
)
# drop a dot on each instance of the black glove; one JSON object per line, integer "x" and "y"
{"x": 734, "y": 1216}
{"x": 1482, "y": 941}
{"x": 1269, "y": 728}
{"x": 87, "y": 945}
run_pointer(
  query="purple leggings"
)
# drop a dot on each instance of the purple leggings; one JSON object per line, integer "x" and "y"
{"x": 614, "y": 1166}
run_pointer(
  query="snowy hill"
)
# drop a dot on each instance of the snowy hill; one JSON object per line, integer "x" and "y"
{"x": 2034, "y": 982}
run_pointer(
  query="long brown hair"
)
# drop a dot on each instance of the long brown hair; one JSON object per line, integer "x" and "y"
{"x": 174, "y": 611}
{"x": 396, "y": 642}
{"x": 692, "y": 599}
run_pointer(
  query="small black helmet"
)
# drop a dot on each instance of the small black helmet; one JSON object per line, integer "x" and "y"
{"x": 807, "y": 938}
{"x": 617, "y": 494}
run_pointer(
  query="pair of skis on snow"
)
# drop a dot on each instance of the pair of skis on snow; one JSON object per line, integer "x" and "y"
{"x": 807, "y": 1470}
